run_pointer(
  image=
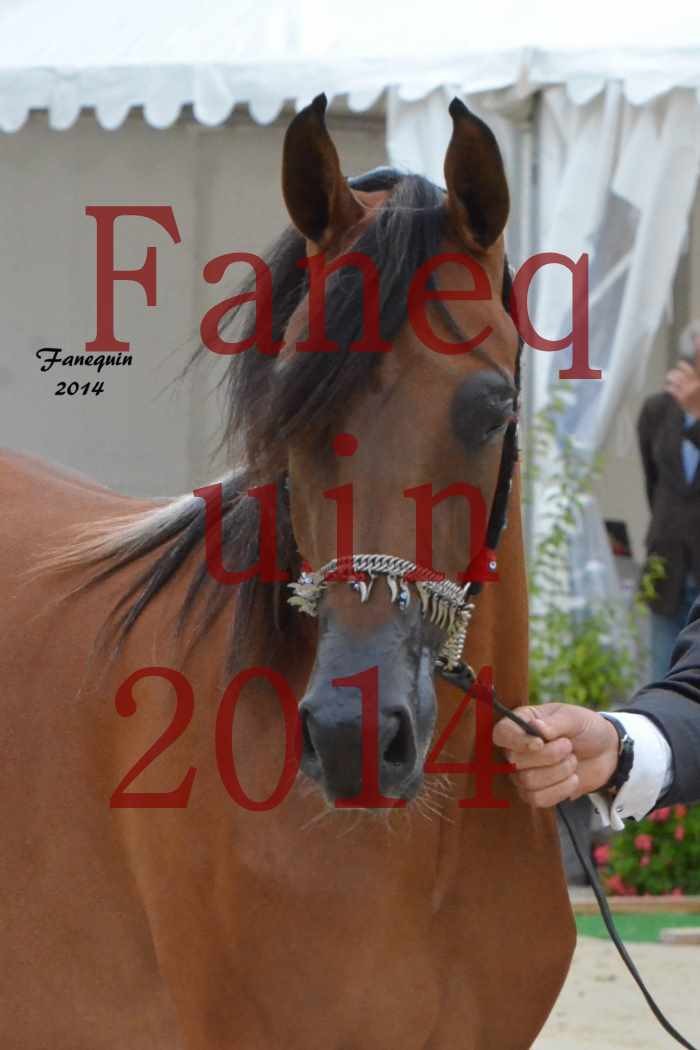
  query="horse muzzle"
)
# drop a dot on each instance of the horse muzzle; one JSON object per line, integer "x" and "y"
{"x": 368, "y": 716}
{"x": 351, "y": 759}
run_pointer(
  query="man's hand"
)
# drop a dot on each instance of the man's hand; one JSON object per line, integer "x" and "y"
{"x": 580, "y": 754}
{"x": 683, "y": 383}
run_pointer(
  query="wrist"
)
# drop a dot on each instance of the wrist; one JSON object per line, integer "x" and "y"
{"x": 624, "y": 758}
{"x": 610, "y": 753}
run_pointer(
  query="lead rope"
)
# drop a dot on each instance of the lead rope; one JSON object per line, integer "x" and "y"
{"x": 463, "y": 677}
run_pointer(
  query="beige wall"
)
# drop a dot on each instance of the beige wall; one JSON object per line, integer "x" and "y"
{"x": 145, "y": 434}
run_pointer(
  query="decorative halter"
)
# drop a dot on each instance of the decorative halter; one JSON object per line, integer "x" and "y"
{"x": 442, "y": 601}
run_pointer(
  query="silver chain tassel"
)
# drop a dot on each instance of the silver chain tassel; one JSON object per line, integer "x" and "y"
{"x": 443, "y": 602}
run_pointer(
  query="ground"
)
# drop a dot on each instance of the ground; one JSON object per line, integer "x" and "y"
{"x": 601, "y": 1008}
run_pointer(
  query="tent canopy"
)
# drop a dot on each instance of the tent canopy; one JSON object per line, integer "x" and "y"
{"x": 166, "y": 54}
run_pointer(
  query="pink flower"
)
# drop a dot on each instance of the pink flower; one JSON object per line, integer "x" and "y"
{"x": 677, "y": 892}
{"x": 679, "y": 833}
{"x": 680, "y": 811}
{"x": 616, "y": 885}
{"x": 601, "y": 855}
{"x": 644, "y": 861}
{"x": 660, "y": 816}
{"x": 643, "y": 843}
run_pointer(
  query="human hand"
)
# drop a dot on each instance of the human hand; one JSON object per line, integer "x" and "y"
{"x": 579, "y": 756}
{"x": 683, "y": 383}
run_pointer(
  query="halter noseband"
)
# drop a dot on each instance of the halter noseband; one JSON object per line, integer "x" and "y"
{"x": 444, "y": 602}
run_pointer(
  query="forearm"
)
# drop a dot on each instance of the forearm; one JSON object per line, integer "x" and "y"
{"x": 673, "y": 705}
{"x": 578, "y": 750}
{"x": 676, "y": 720}
{"x": 665, "y": 717}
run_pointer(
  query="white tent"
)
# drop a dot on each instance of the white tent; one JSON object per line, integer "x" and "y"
{"x": 601, "y": 100}
{"x": 212, "y": 54}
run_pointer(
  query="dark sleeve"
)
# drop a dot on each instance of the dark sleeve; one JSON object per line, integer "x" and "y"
{"x": 645, "y": 433}
{"x": 673, "y": 704}
{"x": 692, "y": 432}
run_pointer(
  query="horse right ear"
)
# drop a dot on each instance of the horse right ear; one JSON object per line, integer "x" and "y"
{"x": 477, "y": 190}
{"x": 319, "y": 201}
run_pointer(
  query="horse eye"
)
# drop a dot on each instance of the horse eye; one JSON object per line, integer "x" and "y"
{"x": 482, "y": 407}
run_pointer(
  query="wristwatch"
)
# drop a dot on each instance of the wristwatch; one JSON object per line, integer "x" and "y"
{"x": 625, "y": 757}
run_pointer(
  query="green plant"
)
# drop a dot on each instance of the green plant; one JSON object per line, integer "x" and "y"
{"x": 589, "y": 656}
{"x": 660, "y": 854}
{"x": 593, "y": 657}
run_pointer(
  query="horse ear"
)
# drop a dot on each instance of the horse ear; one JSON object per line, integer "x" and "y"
{"x": 319, "y": 201}
{"x": 477, "y": 191}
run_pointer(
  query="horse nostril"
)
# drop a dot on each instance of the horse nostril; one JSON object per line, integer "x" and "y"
{"x": 336, "y": 750}
{"x": 397, "y": 751}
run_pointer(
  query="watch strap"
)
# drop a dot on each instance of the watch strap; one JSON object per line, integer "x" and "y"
{"x": 625, "y": 757}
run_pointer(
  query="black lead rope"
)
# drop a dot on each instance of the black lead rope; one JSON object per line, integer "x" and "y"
{"x": 463, "y": 678}
{"x": 615, "y": 936}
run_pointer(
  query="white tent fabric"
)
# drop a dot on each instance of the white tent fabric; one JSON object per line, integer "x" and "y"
{"x": 617, "y": 182}
{"x": 163, "y": 55}
{"x": 418, "y": 132}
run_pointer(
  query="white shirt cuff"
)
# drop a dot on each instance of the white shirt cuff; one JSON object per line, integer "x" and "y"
{"x": 650, "y": 776}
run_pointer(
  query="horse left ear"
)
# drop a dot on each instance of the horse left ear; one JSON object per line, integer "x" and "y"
{"x": 319, "y": 201}
{"x": 477, "y": 191}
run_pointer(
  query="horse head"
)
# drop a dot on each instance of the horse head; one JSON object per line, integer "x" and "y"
{"x": 421, "y": 400}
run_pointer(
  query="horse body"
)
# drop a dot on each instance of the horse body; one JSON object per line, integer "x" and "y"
{"x": 214, "y": 927}
{"x": 60, "y": 862}
{"x": 198, "y": 923}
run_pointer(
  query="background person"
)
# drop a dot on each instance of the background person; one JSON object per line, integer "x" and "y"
{"x": 669, "y": 442}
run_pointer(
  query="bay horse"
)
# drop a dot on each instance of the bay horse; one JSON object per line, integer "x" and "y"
{"x": 178, "y": 919}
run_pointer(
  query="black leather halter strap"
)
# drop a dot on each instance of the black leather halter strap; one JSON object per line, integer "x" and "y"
{"x": 463, "y": 678}
{"x": 499, "y": 507}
